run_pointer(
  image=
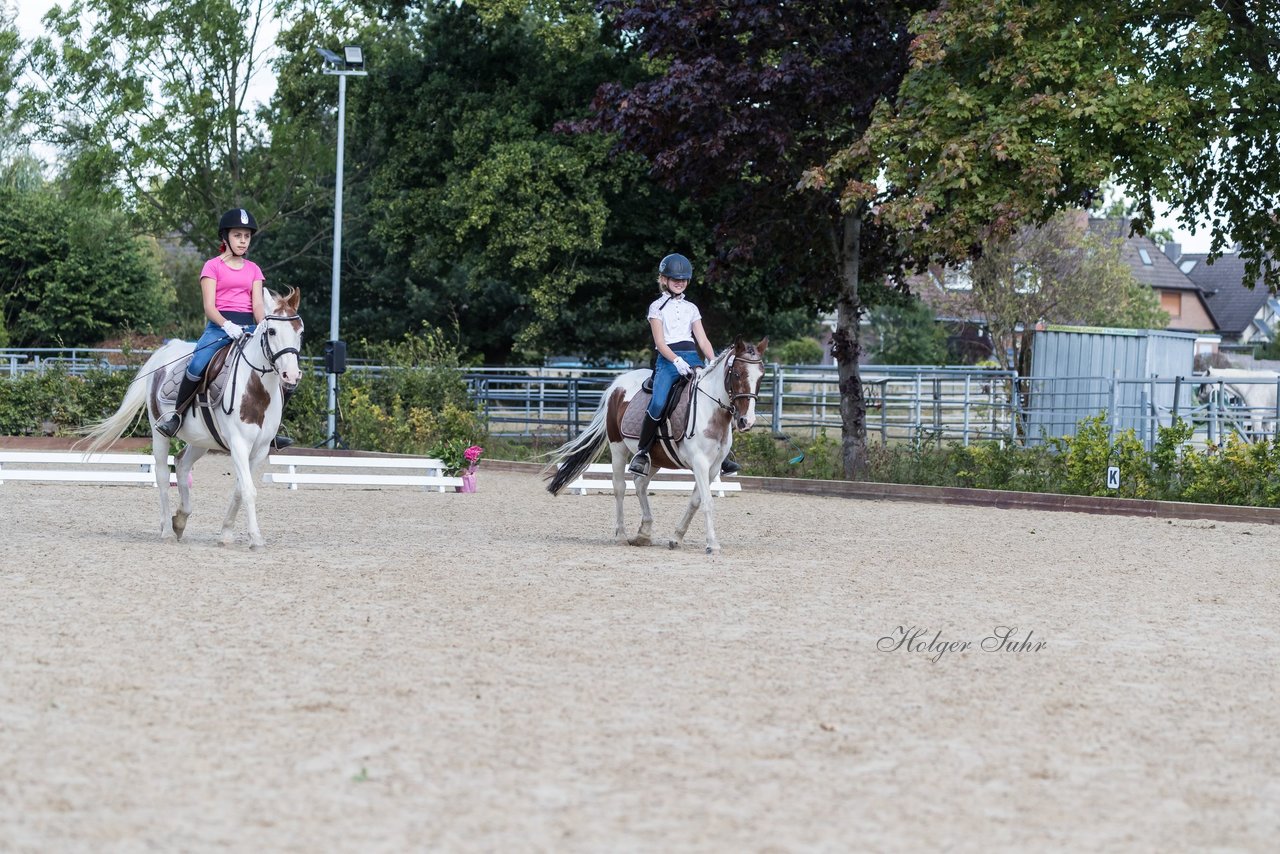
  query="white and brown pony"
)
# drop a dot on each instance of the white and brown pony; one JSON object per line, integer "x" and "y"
{"x": 260, "y": 368}
{"x": 723, "y": 400}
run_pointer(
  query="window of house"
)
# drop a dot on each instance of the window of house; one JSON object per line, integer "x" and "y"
{"x": 1171, "y": 301}
{"x": 1026, "y": 279}
{"x": 1145, "y": 256}
{"x": 957, "y": 278}
{"x": 1187, "y": 266}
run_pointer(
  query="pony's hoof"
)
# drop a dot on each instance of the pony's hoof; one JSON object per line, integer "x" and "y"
{"x": 673, "y": 544}
{"x": 258, "y": 547}
{"x": 179, "y": 524}
{"x": 640, "y": 541}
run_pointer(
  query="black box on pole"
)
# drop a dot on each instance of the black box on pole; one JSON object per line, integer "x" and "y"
{"x": 335, "y": 357}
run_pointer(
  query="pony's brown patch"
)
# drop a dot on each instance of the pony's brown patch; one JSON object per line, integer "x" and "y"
{"x": 254, "y": 403}
{"x": 718, "y": 426}
{"x": 613, "y": 419}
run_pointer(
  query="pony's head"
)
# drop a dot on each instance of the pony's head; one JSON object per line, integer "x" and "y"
{"x": 281, "y": 331}
{"x": 742, "y": 378}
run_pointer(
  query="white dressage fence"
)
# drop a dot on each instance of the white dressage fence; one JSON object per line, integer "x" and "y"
{"x": 76, "y": 467}
{"x": 424, "y": 472}
{"x": 134, "y": 468}
{"x": 669, "y": 480}
{"x": 413, "y": 471}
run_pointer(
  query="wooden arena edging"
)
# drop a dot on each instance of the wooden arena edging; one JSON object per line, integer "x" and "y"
{"x": 997, "y": 498}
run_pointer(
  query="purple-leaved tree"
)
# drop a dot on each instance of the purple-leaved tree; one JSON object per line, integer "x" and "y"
{"x": 746, "y": 99}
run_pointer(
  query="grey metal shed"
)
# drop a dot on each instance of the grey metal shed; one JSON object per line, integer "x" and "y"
{"x": 1080, "y": 371}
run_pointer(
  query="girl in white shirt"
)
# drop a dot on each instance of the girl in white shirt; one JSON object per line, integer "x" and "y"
{"x": 679, "y": 339}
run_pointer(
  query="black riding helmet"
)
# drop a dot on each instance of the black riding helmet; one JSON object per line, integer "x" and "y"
{"x": 236, "y": 218}
{"x": 675, "y": 266}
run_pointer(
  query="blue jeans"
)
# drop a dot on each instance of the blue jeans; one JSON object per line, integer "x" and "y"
{"x": 213, "y": 340}
{"x": 664, "y": 376}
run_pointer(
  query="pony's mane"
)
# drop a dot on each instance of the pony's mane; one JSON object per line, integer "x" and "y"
{"x": 720, "y": 357}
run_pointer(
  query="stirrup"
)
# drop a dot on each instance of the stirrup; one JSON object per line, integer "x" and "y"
{"x": 639, "y": 464}
{"x": 170, "y": 426}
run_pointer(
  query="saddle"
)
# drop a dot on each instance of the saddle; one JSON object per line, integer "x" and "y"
{"x": 212, "y": 384}
{"x": 675, "y": 417}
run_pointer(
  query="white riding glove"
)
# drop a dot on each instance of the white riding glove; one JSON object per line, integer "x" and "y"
{"x": 233, "y": 330}
{"x": 682, "y": 366}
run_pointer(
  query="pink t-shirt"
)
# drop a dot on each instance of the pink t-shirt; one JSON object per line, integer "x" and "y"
{"x": 233, "y": 289}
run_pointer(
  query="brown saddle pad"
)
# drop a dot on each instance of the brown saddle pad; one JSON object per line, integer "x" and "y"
{"x": 633, "y": 418}
{"x": 210, "y": 388}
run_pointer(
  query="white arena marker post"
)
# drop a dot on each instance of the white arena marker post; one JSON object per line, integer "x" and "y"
{"x": 1113, "y": 477}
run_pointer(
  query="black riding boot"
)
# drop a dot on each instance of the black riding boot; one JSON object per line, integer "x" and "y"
{"x": 730, "y": 465}
{"x": 648, "y": 431}
{"x": 186, "y": 392}
{"x": 281, "y": 441}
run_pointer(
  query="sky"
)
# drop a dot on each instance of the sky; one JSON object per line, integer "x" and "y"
{"x": 31, "y": 11}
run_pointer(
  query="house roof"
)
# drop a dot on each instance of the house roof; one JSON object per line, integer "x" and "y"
{"x": 1233, "y": 302}
{"x": 1149, "y": 263}
{"x": 1155, "y": 269}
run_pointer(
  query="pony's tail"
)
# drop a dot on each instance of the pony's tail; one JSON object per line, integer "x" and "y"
{"x": 572, "y": 458}
{"x": 105, "y": 433}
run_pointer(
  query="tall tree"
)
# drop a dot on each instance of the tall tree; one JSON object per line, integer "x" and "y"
{"x": 150, "y": 104}
{"x": 469, "y": 207}
{"x": 1013, "y": 110}
{"x": 743, "y": 99}
{"x": 13, "y": 142}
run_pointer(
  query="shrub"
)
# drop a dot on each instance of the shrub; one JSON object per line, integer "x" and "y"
{"x": 800, "y": 351}
{"x": 409, "y": 409}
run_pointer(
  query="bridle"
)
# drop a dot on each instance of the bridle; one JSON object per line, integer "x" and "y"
{"x": 731, "y": 376}
{"x": 272, "y": 356}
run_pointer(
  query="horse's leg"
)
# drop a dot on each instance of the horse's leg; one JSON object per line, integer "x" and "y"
{"x": 245, "y": 491}
{"x": 695, "y": 501}
{"x": 701, "y": 497}
{"x": 644, "y": 536}
{"x": 160, "y": 467}
{"x": 618, "y": 456}
{"x": 182, "y": 471}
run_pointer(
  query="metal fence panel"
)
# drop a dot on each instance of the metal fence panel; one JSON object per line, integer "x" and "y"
{"x": 904, "y": 403}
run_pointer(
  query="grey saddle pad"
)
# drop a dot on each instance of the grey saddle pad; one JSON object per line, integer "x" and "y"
{"x": 212, "y": 389}
{"x": 633, "y": 418}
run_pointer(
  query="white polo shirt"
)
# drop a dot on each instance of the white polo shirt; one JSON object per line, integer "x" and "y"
{"x": 677, "y": 315}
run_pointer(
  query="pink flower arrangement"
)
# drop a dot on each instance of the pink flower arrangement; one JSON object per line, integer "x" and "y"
{"x": 472, "y": 456}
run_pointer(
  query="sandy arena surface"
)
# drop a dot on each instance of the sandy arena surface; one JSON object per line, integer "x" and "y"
{"x": 412, "y": 671}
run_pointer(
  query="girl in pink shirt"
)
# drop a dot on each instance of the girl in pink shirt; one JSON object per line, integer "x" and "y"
{"x": 231, "y": 287}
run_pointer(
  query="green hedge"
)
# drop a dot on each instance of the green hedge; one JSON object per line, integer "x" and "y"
{"x": 1234, "y": 472}
{"x": 420, "y": 407}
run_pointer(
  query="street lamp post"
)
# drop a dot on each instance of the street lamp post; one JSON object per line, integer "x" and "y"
{"x": 349, "y": 64}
